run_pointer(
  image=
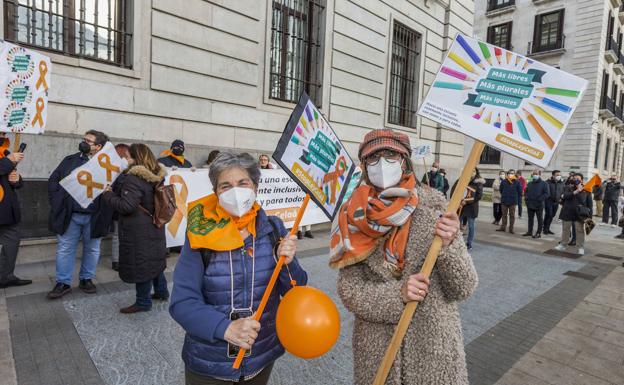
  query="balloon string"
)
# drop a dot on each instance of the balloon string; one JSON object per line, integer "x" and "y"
{"x": 273, "y": 280}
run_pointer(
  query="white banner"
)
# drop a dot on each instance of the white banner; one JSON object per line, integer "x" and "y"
{"x": 421, "y": 151}
{"x": 278, "y": 195}
{"x": 87, "y": 182}
{"x": 25, "y": 77}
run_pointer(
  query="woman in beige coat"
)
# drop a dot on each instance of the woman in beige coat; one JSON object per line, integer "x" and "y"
{"x": 379, "y": 241}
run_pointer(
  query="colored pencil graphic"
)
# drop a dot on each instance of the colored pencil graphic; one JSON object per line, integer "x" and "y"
{"x": 462, "y": 63}
{"x": 486, "y": 52}
{"x": 540, "y": 130}
{"x": 478, "y": 114}
{"x": 451, "y": 86}
{"x": 296, "y": 140}
{"x": 518, "y": 58}
{"x": 488, "y": 118}
{"x": 527, "y": 63}
{"x": 473, "y": 55}
{"x": 498, "y": 53}
{"x": 456, "y": 74}
{"x": 509, "y": 55}
{"x": 497, "y": 123}
{"x": 544, "y": 114}
{"x": 508, "y": 125}
{"x": 558, "y": 91}
{"x": 553, "y": 103}
{"x": 522, "y": 128}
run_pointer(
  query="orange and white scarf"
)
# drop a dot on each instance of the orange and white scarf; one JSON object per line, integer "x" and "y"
{"x": 179, "y": 158}
{"x": 209, "y": 226}
{"x": 367, "y": 217}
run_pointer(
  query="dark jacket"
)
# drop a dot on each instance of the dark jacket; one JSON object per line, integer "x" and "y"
{"x": 474, "y": 191}
{"x": 556, "y": 190}
{"x": 142, "y": 246}
{"x": 446, "y": 186}
{"x": 598, "y": 192}
{"x": 63, "y": 206}
{"x": 9, "y": 205}
{"x": 511, "y": 192}
{"x": 571, "y": 201}
{"x": 169, "y": 161}
{"x": 612, "y": 191}
{"x": 436, "y": 180}
{"x": 536, "y": 194}
{"x": 201, "y": 304}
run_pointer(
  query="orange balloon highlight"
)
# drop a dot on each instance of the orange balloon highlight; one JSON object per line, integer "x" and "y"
{"x": 307, "y": 322}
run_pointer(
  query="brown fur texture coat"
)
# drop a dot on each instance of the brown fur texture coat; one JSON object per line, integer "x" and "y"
{"x": 432, "y": 352}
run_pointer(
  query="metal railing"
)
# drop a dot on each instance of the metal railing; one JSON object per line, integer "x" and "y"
{"x": 533, "y": 49}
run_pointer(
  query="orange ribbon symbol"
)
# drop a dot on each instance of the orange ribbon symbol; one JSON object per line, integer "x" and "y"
{"x": 181, "y": 210}
{"x": 1, "y": 193}
{"x": 40, "y": 105}
{"x": 105, "y": 163}
{"x": 332, "y": 177}
{"x": 43, "y": 70}
{"x": 86, "y": 179}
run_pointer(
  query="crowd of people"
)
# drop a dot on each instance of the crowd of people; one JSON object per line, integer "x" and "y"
{"x": 378, "y": 240}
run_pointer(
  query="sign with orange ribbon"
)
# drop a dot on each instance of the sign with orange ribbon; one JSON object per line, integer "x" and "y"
{"x": 311, "y": 153}
{"x": 87, "y": 182}
{"x": 24, "y": 84}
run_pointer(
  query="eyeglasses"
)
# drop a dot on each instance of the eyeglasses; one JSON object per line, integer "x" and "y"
{"x": 390, "y": 155}
{"x": 91, "y": 142}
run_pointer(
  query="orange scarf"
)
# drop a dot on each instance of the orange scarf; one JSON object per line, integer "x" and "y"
{"x": 367, "y": 217}
{"x": 179, "y": 158}
{"x": 209, "y": 226}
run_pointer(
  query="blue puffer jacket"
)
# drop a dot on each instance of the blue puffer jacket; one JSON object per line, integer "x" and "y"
{"x": 511, "y": 193}
{"x": 201, "y": 304}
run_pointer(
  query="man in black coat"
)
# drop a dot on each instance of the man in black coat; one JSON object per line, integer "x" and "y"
{"x": 555, "y": 188}
{"x": 174, "y": 156}
{"x": 10, "y": 216}
{"x": 72, "y": 223}
{"x": 577, "y": 208}
{"x": 612, "y": 190}
{"x": 511, "y": 197}
{"x": 537, "y": 192}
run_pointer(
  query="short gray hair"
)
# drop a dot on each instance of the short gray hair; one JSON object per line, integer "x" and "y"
{"x": 227, "y": 160}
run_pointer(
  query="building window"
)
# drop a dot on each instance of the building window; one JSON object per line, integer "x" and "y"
{"x": 548, "y": 33}
{"x": 490, "y": 155}
{"x": 606, "y": 158}
{"x": 597, "y": 151}
{"x": 297, "y": 50}
{"x": 404, "y": 75}
{"x": 498, "y": 4}
{"x": 500, "y": 35}
{"x": 615, "y": 157}
{"x": 95, "y": 30}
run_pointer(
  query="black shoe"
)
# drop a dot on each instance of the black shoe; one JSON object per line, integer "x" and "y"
{"x": 511, "y": 231}
{"x": 572, "y": 243}
{"x": 308, "y": 234}
{"x": 469, "y": 247}
{"x": 133, "y": 309}
{"x": 87, "y": 286}
{"x": 548, "y": 232}
{"x": 620, "y": 236}
{"x": 59, "y": 290}
{"x": 115, "y": 266}
{"x": 299, "y": 235}
{"x": 527, "y": 234}
{"x": 501, "y": 229}
{"x": 537, "y": 235}
{"x": 160, "y": 297}
{"x": 15, "y": 282}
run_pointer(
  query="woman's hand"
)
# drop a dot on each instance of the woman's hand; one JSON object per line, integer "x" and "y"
{"x": 415, "y": 288}
{"x": 447, "y": 227}
{"x": 14, "y": 177}
{"x": 242, "y": 332}
{"x": 288, "y": 248}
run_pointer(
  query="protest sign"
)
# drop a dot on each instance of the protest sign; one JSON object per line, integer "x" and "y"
{"x": 24, "y": 80}
{"x": 87, "y": 182}
{"x": 278, "y": 195}
{"x": 421, "y": 151}
{"x": 508, "y": 101}
{"x": 311, "y": 153}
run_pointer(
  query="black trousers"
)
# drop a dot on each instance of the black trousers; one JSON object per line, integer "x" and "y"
{"x": 9, "y": 246}
{"x": 261, "y": 379}
{"x": 539, "y": 212}
{"x": 609, "y": 206}
{"x": 498, "y": 212}
{"x": 550, "y": 213}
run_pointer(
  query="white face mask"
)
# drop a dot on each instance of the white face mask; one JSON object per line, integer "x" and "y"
{"x": 238, "y": 200}
{"x": 558, "y": 178}
{"x": 385, "y": 174}
{"x": 434, "y": 169}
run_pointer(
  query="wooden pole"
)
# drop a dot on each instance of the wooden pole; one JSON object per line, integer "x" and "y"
{"x": 274, "y": 276}
{"x": 17, "y": 142}
{"x": 426, "y": 171}
{"x": 430, "y": 260}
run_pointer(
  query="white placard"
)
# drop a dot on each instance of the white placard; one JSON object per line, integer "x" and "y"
{"x": 421, "y": 151}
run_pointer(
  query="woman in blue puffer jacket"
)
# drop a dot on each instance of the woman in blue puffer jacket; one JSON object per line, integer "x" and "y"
{"x": 224, "y": 268}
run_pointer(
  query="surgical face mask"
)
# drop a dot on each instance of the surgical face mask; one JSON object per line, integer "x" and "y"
{"x": 536, "y": 177}
{"x": 384, "y": 173}
{"x": 177, "y": 151}
{"x": 557, "y": 178}
{"x": 502, "y": 176}
{"x": 238, "y": 200}
{"x": 434, "y": 169}
{"x": 84, "y": 147}
{"x": 577, "y": 182}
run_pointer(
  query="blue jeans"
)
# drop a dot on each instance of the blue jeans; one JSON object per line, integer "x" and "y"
{"x": 79, "y": 228}
{"x": 471, "y": 231}
{"x": 144, "y": 290}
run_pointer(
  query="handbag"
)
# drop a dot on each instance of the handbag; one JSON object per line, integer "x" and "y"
{"x": 589, "y": 226}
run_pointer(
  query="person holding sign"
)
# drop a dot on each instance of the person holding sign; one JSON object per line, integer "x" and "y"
{"x": 577, "y": 208}
{"x": 72, "y": 223}
{"x": 225, "y": 266}
{"x": 379, "y": 240}
{"x": 142, "y": 246}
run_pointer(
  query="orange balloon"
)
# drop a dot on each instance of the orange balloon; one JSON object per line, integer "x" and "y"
{"x": 307, "y": 322}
